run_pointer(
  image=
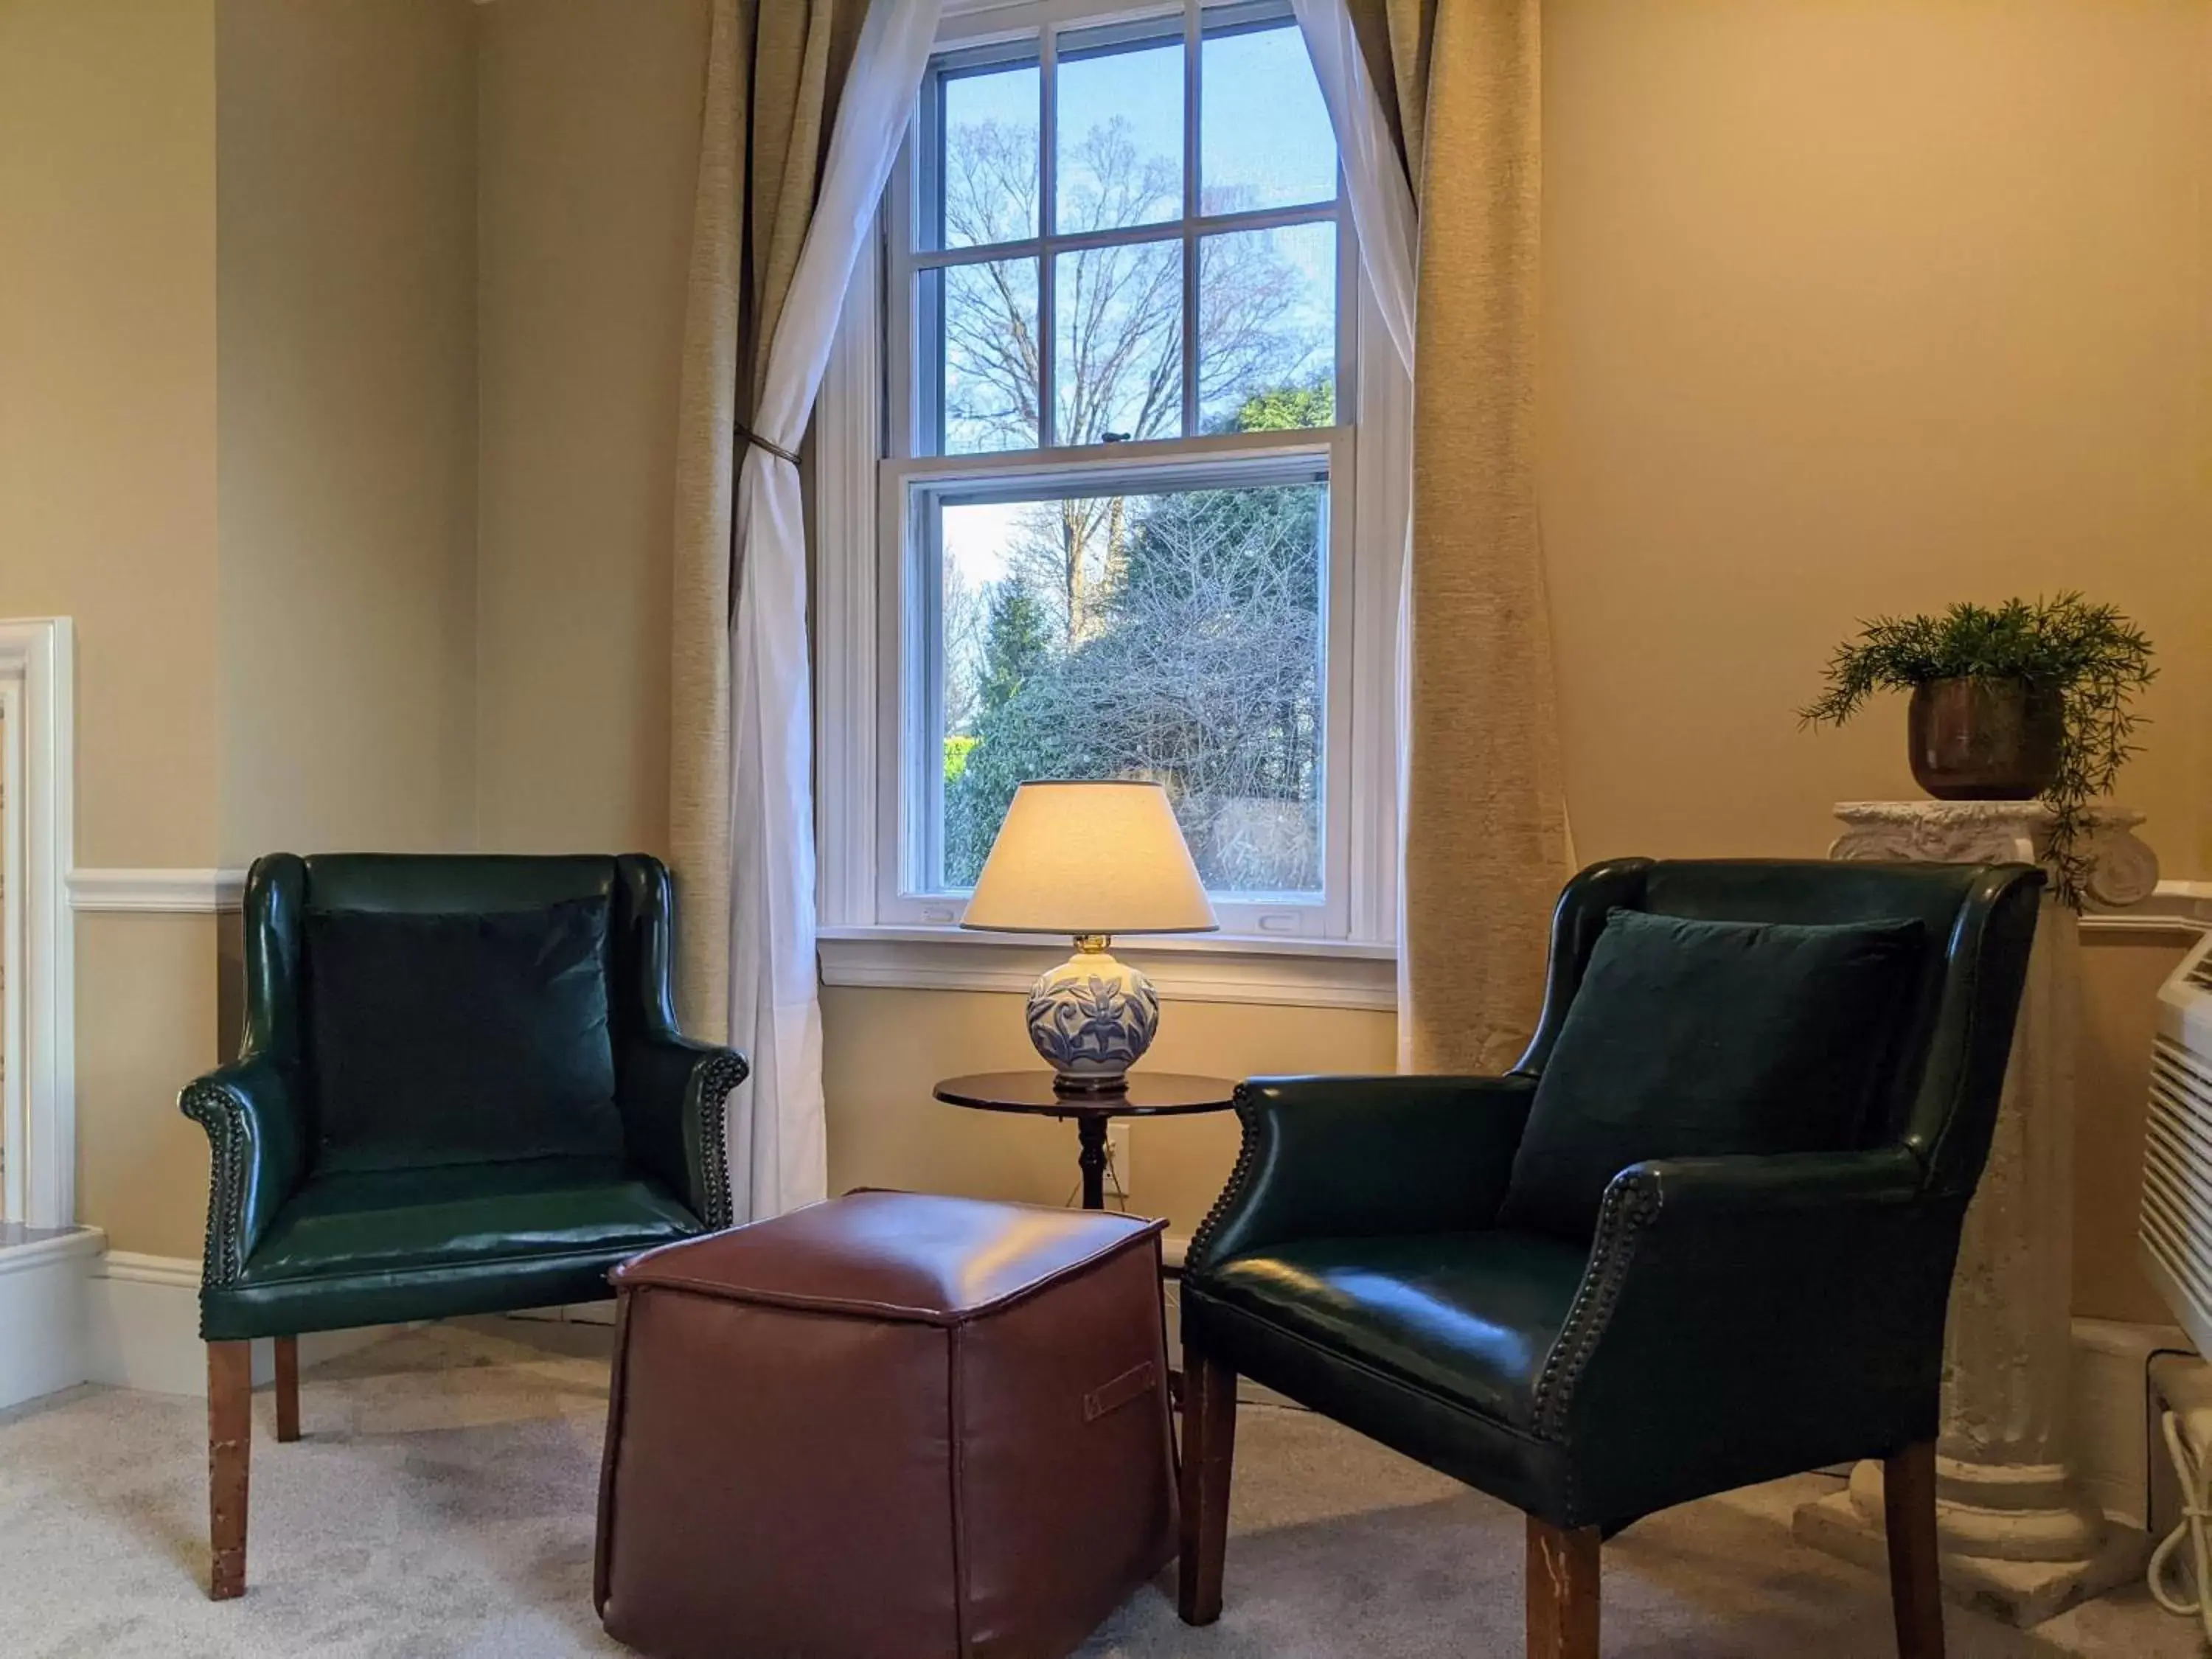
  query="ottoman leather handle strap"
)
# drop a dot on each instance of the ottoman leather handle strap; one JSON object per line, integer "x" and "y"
{"x": 1132, "y": 1384}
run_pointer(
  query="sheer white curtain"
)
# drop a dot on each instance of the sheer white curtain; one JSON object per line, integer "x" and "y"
{"x": 778, "y": 1154}
{"x": 1382, "y": 200}
{"x": 1389, "y": 249}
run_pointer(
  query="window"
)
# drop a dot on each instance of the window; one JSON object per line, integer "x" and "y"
{"x": 1120, "y": 491}
{"x": 1164, "y": 624}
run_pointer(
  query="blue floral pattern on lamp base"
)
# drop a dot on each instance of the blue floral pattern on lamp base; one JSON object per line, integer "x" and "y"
{"x": 1092, "y": 1018}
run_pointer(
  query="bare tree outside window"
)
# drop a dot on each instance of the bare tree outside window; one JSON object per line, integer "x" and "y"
{"x": 1171, "y": 633}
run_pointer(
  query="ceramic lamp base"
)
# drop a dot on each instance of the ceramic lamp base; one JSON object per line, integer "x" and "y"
{"x": 1092, "y": 1017}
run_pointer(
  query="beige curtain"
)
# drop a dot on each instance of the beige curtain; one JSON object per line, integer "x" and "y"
{"x": 772, "y": 69}
{"x": 1486, "y": 818}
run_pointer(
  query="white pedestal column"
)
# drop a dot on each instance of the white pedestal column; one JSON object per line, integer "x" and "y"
{"x": 2019, "y": 1538}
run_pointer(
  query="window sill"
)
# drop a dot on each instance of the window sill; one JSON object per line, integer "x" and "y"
{"x": 1301, "y": 973}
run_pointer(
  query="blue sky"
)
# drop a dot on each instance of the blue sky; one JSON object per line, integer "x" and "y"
{"x": 1262, "y": 119}
{"x": 1262, "y": 122}
{"x": 1262, "y": 125}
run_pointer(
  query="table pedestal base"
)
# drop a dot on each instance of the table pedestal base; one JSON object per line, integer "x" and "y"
{"x": 1090, "y": 1135}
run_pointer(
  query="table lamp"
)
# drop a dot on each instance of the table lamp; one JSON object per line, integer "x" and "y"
{"x": 1090, "y": 861}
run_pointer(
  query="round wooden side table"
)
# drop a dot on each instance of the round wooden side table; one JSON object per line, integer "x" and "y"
{"x": 1146, "y": 1094}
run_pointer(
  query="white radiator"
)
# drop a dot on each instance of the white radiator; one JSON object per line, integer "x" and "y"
{"x": 2175, "y": 1233}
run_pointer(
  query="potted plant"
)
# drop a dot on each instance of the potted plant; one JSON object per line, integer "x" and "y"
{"x": 2007, "y": 704}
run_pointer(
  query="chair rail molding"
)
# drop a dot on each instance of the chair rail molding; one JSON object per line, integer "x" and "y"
{"x": 2181, "y": 910}
{"x": 156, "y": 891}
{"x": 38, "y": 965}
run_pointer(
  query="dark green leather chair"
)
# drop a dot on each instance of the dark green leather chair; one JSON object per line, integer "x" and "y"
{"x": 1732, "y": 1320}
{"x": 459, "y": 1090}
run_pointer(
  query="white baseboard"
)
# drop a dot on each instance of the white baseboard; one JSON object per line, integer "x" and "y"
{"x": 2112, "y": 1412}
{"x": 143, "y": 1324}
{"x": 142, "y": 1328}
{"x": 42, "y": 1313}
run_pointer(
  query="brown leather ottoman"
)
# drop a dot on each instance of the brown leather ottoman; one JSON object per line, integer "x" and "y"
{"x": 890, "y": 1426}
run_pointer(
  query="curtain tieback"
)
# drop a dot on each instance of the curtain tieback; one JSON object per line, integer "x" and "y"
{"x": 754, "y": 439}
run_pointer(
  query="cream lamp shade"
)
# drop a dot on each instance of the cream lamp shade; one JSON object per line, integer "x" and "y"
{"x": 1084, "y": 858}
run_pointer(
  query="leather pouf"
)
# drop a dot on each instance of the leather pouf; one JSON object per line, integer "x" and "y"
{"x": 889, "y": 1426}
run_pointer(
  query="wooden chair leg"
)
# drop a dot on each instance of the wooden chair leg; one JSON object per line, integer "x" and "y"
{"x": 1209, "y": 1446}
{"x": 287, "y": 1388}
{"x": 1916, "y": 1587}
{"x": 1562, "y": 1591}
{"x": 230, "y": 1450}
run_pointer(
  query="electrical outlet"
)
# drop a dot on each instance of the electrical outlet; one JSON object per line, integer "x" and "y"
{"x": 1117, "y": 1159}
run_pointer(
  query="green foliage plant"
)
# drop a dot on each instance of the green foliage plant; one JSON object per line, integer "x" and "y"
{"x": 2089, "y": 656}
{"x": 1289, "y": 408}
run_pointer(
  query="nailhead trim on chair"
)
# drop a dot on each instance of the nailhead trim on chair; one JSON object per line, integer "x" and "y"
{"x": 1631, "y": 1204}
{"x": 716, "y": 1081}
{"x": 219, "y": 1111}
{"x": 1232, "y": 1195}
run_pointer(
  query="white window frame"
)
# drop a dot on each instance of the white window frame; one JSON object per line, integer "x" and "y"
{"x": 38, "y": 935}
{"x": 1338, "y": 952}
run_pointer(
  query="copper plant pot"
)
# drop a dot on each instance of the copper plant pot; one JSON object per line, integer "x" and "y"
{"x": 1983, "y": 739}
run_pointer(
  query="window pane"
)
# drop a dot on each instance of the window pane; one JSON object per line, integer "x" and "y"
{"x": 1174, "y": 635}
{"x": 983, "y": 317}
{"x": 1266, "y": 328}
{"x": 1117, "y": 344}
{"x": 1119, "y": 128}
{"x": 1264, "y": 139}
{"x": 986, "y": 161}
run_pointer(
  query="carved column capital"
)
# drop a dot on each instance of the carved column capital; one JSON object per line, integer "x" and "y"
{"x": 2122, "y": 869}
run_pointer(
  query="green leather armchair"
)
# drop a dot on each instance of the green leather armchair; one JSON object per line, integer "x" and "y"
{"x": 1732, "y": 1319}
{"x": 367, "y": 1167}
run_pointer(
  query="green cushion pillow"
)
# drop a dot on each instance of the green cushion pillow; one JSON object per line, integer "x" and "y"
{"x": 460, "y": 1038}
{"x": 1691, "y": 1039}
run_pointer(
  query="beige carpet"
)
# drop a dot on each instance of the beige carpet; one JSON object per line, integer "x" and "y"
{"x": 442, "y": 1504}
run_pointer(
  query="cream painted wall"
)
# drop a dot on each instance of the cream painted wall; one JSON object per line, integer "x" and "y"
{"x": 147, "y": 1019}
{"x": 1848, "y": 308}
{"x": 1870, "y": 308}
{"x": 588, "y": 148}
{"x": 2119, "y": 1013}
{"x": 1857, "y": 308}
{"x": 107, "y": 433}
{"x": 346, "y": 286}
{"x": 108, "y": 514}
{"x": 883, "y": 1049}
{"x": 262, "y": 521}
